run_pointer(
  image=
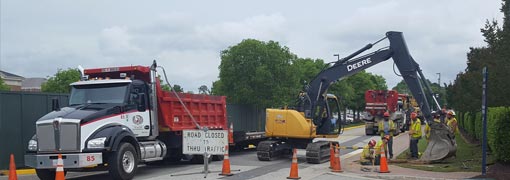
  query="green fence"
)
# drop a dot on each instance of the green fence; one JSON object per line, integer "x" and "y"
{"x": 18, "y": 113}
{"x": 246, "y": 117}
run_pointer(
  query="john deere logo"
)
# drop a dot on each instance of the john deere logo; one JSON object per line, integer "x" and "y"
{"x": 137, "y": 120}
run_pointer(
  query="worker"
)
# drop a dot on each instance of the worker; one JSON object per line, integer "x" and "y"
{"x": 387, "y": 128}
{"x": 368, "y": 156}
{"x": 451, "y": 121}
{"x": 381, "y": 143}
{"x": 414, "y": 135}
{"x": 436, "y": 117}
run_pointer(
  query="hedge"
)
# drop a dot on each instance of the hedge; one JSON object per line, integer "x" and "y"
{"x": 498, "y": 130}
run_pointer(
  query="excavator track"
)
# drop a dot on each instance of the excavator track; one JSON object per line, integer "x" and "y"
{"x": 317, "y": 152}
{"x": 271, "y": 149}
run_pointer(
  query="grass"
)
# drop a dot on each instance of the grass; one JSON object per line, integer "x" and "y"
{"x": 469, "y": 158}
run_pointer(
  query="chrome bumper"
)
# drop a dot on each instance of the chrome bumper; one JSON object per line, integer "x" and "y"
{"x": 49, "y": 161}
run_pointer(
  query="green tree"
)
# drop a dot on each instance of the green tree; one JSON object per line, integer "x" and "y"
{"x": 204, "y": 90}
{"x": 3, "y": 86}
{"x": 379, "y": 82}
{"x": 177, "y": 88}
{"x": 466, "y": 90}
{"x": 59, "y": 83}
{"x": 257, "y": 72}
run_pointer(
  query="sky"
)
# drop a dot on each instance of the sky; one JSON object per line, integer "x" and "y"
{"x": 186, "y": 37}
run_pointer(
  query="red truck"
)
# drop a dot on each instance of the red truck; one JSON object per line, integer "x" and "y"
{"x": 117, "y": 118}
{"x": 380, "y": 101}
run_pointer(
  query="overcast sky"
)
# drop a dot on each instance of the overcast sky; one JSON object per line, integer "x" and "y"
{"x": 186, "y": 37}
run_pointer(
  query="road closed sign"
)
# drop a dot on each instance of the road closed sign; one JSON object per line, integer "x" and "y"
{"x": 200, "y": 141}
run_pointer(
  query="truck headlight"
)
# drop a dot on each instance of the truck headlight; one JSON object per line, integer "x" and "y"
{"x": 32, "y": 145}
{"x": 96, "y": 143}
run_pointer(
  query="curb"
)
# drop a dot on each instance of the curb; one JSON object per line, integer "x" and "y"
{"x": 354, "y": 127}
{"x": 18, "y": 172}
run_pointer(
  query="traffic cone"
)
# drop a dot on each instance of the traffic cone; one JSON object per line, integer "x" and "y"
{"x": 338, "y": 164}
{"x": 225, "y": 170}
{"x": 294, "y": 166}
{"x": 12, "y": 169}
{"x": 231, "y": 134}
{"x": 60, "y": 169}
{"x": 331, "y": 156}
{"x": 383, "y": 163}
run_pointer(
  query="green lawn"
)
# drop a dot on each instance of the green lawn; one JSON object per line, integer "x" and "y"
{"x": 354, "y": 124}
{"x": 469, "y": 158}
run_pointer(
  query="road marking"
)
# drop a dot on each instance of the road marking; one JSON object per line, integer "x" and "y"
{"x": 353, "y": 153}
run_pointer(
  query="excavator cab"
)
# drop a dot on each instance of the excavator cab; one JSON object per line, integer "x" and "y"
{"x": 329, "y": 115}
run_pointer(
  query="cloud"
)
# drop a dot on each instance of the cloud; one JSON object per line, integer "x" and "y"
{"x": 117, "y": 41}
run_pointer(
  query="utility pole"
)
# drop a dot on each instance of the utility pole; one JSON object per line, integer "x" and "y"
{"x": 439, "y": 79}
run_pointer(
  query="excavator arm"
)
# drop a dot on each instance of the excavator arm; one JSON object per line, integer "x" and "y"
{"x": 314, "y": 99}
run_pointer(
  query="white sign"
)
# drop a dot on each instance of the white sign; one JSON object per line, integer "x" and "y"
{"x": 200, "y": 141}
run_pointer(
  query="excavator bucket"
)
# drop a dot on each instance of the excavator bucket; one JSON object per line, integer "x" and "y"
{"x": 442, "y": 144}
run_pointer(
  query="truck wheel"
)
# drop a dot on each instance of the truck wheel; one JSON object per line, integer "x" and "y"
{"x": 199, "y": 159}
{"x": 124, "y": 162}
{"x": 218, "y": 158}
{"x": 46, "y": 174}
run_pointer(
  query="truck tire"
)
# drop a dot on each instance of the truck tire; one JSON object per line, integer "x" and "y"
{"x": 123, "y": 162}
{"x": 46, "y": 174}
{"x": 199, "y": 159}
{"x": 218, "y": 158}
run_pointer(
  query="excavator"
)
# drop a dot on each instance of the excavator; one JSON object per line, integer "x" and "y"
{"x": 314, "y": 121}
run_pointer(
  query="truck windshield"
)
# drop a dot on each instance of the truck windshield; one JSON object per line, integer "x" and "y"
{"x": 98, "y": 94}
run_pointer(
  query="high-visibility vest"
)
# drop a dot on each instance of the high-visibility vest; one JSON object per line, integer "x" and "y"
{"x": 416, "y": 128}
{"x": 452, "y": 123}
{"x": 367, "y": 153}
{"x": 381, "y": 127}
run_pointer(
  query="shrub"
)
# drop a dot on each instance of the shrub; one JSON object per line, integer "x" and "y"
{"x": 498, "y": 128}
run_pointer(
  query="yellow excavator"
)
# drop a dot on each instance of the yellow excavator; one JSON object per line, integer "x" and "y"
{"x": 317, "y": 113}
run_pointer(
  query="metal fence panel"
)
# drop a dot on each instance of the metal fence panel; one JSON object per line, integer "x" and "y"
{"x": 246, "y": 117}
{"x": 18, "y": 113}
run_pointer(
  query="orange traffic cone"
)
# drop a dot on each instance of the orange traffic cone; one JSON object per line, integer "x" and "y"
{"x": 12, "y": 169}
{"x": 60, "y": 169}
{"x": 294, "y": 166}
{"x": 383, "y": 163}
{"x": 225, "y": 170}
{"x": 231, "y": 134}
{"x": 331, "y": 156}
{"x": 338, "y": 164}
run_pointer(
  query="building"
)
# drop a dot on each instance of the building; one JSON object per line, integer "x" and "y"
{"x": 32, "y": 84}
{"x": 12, "y": 80}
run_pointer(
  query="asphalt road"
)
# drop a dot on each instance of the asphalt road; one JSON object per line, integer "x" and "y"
{"x": 244, "y": 164}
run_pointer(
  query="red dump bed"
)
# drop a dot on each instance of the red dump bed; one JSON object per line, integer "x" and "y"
{"x": 208, "y": 111}
{"x": 378, "y": 101}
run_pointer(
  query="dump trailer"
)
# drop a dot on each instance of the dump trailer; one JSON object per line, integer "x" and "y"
{"x": 313, "y": 115}
{"x": 378, "y": 102}
{"x": 118, "y": 118}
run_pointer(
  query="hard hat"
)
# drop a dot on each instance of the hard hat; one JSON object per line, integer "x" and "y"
{"x": 387, "y": 137}
{"x": 451, "y": 112}
{"x": 371, "y": 142}
{"x": 386, "y": 114}
{"x": 413, "y": 115}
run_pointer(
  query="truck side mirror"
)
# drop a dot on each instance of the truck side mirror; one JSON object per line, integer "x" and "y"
{"x": 141, "y": 102}
{"x": 55, "y": 104}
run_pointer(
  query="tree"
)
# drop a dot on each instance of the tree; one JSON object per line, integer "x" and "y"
{"x": 465, "y": 92}
{"x": 3, "y": 86}
{"x": 257, "y": 72}
{"x": 204, "y": 90}
{"x": 177, "y": 88}
{"x": 59, "y": 83}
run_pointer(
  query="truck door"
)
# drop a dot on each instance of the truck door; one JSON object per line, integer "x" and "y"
{"x": 138, "y": 119}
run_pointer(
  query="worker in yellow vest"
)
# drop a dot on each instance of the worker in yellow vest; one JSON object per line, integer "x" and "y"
{"x": 384, "y": 140}
{"x": 451, "y": 121}
{"x": 368, "y": 156}
{"x": 414, "y": 135}
{"x": 437, "y": 119}
{"x": 387, "y": 128}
